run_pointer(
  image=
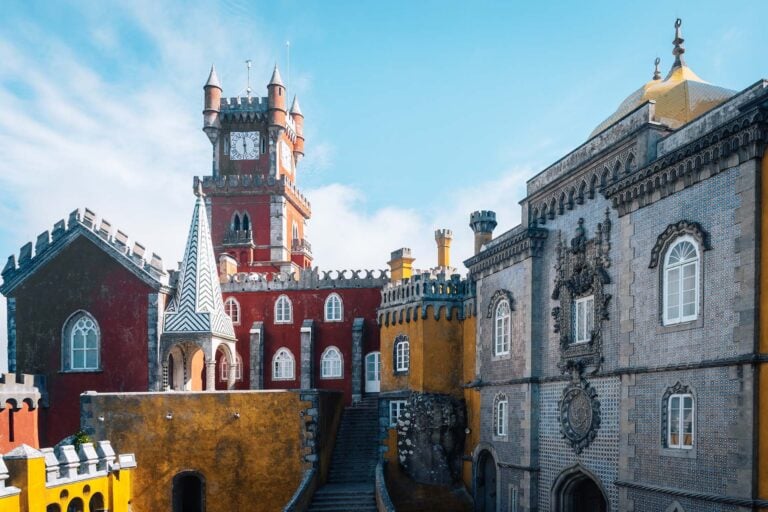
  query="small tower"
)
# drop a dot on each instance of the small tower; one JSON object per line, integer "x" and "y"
{"x": 443, "y": 237}
{"x": 298, "y": 121}
{"x": 400, "y": 264}
{"x": 276, "y": 100}
{"x": 212, "y": 106}
{"x": 483, "y": 223}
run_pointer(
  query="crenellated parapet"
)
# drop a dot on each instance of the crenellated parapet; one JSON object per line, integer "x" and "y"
{"x": 249, "y": 109}
{"x": 411, "y": 298}
{"x": 247, "y": 184}
{"x": 513, "y": 246}
{"x": 135, "y": 257}
{"x": 305, "y": 279}
{"x": 20, "y": 388}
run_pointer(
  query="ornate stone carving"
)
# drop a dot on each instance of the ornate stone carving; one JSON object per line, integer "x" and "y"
{"x": 497, "y": 296}
{"x": 673, "y": 231}
{"x": 579, "y": 414}
{"x": 677, "y": 389}
{"x": 581, "y": 271}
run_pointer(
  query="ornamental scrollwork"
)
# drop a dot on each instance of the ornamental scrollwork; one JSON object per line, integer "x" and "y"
{"x": 683, "y": 227}
{"x": 581, "y": 270}
{"x": 498, "y": 296}
{"x": 677, "y": 389}
{"x": 579, "y": 414}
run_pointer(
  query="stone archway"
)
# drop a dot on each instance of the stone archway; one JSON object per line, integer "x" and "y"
{"x": 578, "y": 490}
{"x": 485, "y": 482}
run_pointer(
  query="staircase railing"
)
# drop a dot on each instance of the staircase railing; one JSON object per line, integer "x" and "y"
{"x": 383, "y": 501}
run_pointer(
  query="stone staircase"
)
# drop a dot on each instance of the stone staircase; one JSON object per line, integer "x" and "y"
{"x": 351, "y": 477}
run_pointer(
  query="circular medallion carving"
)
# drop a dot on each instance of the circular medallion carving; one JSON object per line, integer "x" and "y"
{"x": 579, "y": 415}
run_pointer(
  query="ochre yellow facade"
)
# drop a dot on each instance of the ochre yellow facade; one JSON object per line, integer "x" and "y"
{"x": 762, "y": 419}
{"x": 249, "y": 447}
{"x": 36, "y": 490}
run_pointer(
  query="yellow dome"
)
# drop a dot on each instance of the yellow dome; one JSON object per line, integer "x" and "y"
{"x": 680, "y": 97}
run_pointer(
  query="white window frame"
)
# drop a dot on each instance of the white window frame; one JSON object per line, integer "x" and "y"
{"x": 680, "y": 266}
{"x": 333, "y": 308}
{"x": 396, "y": 408}
{"x": 285, "y": 357}
{"x": 583, "y": 319}
{"x": 331, "y": 368}
{"x": 283, "y": 310}
{"x": 402, "y": 355}
{"x": 502, "y": 328}
{"x": 224, "y": 368}
{"x": 500, "y": 416}
{"x": 681, "y": 421}
{"x": 231, "y": 305}
{"x": 77, "y": 322}
{"x": 513, "y": 499}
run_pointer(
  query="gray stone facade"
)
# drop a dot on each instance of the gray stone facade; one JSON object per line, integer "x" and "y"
{"x": 637, "y": 186}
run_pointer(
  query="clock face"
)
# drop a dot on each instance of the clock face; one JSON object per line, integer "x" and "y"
{"x": 244, "y": 145}
{"x": 286, "y": 156}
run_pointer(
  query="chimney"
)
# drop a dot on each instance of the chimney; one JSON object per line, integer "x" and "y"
{"x": 227, "y": 267}
{"x": 483, "y": 223}
{"x": 443, "y": 238}
{"x": 400, "y": 264}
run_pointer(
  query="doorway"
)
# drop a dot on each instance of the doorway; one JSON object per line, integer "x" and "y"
{"x": 188, "y": 492}
{"x": 373, "y": 372}
{"x": 485, "y": 483}
{"x": 577, "y": 490}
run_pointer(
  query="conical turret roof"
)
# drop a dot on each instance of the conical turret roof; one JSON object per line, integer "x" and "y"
{"x": 276, "y": 78}
{"x": 213, "y": 78}
{"x": 197, "y": 306}
{"x": 295, "y": 109}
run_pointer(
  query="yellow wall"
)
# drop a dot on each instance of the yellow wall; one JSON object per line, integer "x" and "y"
{"x": 762, "y": 420}
{"x": 29, "y": 475}
{"x": 471, "y": 397}
{"x": 257, "y": 458}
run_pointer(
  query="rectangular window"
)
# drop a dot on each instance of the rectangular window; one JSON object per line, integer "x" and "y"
{"x": 501, "y": 418}
{"x": 396, "y": 408}
{"x": 680, "y": 433}
{"x": 583, "y": 319}
{"x": 512, "y": 498}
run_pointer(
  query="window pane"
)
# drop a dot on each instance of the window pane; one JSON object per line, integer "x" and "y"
{"x": 90, "y": 340}
{"x": 590, "y": 317}
{"x": 91, "y": 359}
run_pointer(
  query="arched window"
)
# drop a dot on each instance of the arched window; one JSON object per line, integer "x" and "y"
{"x": 224, "y": 368}
{"x": 232, "y": 308}
{"x": 402, "y": 354}
{"x": 678, "y": 413}
{"x": 283, "y": 310}
{"x": 681, "y": 281}
{"x": 295, "y": 230}
{"x": 501, "y": 328}
{"x": 96, "y": 503}
{"x": 333, "y": 308}
{"x": 76, "y": 505}
{"x": 283, "y": 365}
{"x": 500, "y": 415}
{"x": 81, "y": 343}
{"x": 331, "y": 364}
{"x": 246, "y": 222}
{"x": 236, "y": 222}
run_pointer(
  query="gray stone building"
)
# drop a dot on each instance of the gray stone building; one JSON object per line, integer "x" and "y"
{"x": 618, "y": 343}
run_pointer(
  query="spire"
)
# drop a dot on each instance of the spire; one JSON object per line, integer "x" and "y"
{"x": 197, "y": 306}
{"x": 213, "y": 79}
{"x": 679, "y": 50}
{"x": 656, "y": 72}
{"x": 295, "y": 109}
{"x": 276, "y": 79}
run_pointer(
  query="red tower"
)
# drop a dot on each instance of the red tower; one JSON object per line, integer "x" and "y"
{"x": 257, "y": 213}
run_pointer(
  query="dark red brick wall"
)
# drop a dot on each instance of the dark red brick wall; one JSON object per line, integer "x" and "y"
{"x": 82, "y": 276}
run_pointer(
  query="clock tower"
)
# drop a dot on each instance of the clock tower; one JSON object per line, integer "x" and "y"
{"x": 257, "y": 213}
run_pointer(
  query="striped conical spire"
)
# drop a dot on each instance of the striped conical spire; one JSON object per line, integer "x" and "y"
{"x": 197, "y": 306}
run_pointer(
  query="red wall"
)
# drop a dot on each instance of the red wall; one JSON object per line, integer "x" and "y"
{"x": 82, "y": 276}
{"x": 24, "y": 427}
{"x": 307, "y": 304}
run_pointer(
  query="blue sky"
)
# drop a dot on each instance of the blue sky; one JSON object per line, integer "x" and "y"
{"x": 416, "y": 112}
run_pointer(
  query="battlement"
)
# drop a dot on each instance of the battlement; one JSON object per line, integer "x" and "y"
{"x": 305, "y": 279}
{"x": 248, "y": 183}
{"x": 50, "y": 243}
{"x": 22, "y": 387}
{"x": 244, "y": 104}
{"x": 63, "y": 465}
{"x": 482, "y": 221}
{"x": 425, "y": 286}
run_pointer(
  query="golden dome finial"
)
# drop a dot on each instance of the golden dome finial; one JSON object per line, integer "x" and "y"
{"x": 656, "y": 72}
{"x": 679, "y": 50}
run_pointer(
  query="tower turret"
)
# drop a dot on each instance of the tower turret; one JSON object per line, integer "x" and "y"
{"x": 483, "y": 223}
{"x": 298, "y": 121}
{"x": 443, "y": 238}
{"x": 212, "y": 106}
{"x": 276, "y": 99}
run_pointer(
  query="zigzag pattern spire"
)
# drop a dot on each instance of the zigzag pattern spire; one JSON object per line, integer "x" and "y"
{"x": 197, "y": 306}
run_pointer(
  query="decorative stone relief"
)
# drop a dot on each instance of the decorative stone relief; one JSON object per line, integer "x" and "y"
{"x": 579, "y": 412}
{"x": 677, "y": 389}
{"x": 673, "y": 231}
{"x": 498, "y": 296}
{"x": 581, "y": 271}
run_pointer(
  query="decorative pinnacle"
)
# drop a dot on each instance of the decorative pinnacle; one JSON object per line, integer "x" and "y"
{"x": 295, "y": 109}
{"x": 656, "y": 72}
{"x": 276, "y": 78}
{"x": 199, "y": 189}
{"x": 248, "y": 86}
{"x": 679, "y": 50}
{"x": 213, "y": 79}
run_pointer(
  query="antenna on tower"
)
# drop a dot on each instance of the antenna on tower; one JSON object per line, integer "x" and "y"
{"x": 248, "y": 87}
{"x": 288, "y": 63}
